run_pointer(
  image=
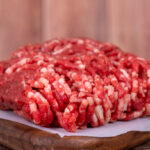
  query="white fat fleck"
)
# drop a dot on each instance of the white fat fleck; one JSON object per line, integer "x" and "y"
{"x": 137, "y": 114}
{"x": 110, "y": 90}
{"x": 108, "y": 102}
{"x": 95, "y": 50}
{"x": 130, "y": 58}
{"x": 113, "y": 79}
{"x": 133, "y": 95}
{"x": 19, "y": 54}
{"x": 127, "y": 97}
{"x": 51, "y": 70}
{"x": 67, "y": 89}
{"x": 74, "y": 85}
{"x": 126, "y": 88}
{"x": 83, "y": 106}
{"x": 78, "y": 62}
{"x": 124, "y": 73}
{"x": 148, "y": 73}
{"x": 44, "y": 81}
{"x": 134, "y": 74}
{"x": 97, "y": 100}
{"x": 60, "y": 86}
{"x": 126, "y": 101}
{"x": 50, "y": 60}
{"x": 36, "y": 84}
{"x": 74, "y": 74}
{"x": 108, "y": 116}
{"x": 18, "y": 69}
{"x": 99, "y": 113}
{"x": 39, "y": 62}
{"x": 80, "y": 41}
{"x": 30, "y": 95}
{"x": 70, "y": 107}
{"x": 116, "y": 95}
{"x": 62, "y": 50}
{"x": 121, "y": 104}
{"x": 85, "y": 102}
{"x": 68, "y": 46}
{"x": 44, "y": 70}
{"x": 105, "y": 87}
{"x": 58, "y": 51}
{"x": 135, "y": 83}
{"x": 23, "y": 83}
{"x": 121, "y": 76}
{"x": 122, "y": 116}
{"x": 84, "y": 77}
{"x": 50, "y": 65}
{"x": 38, "y": 95}
{"x": 95, "y": 120}
{"x": 52, "y": 42}
{"x": 9, "y": 70}
{"x": 38, "y": 56}
{"x": 90, "y": 100}
{"x": 47, "y": 88}
{"x": 116, "y": 63}
{"x": 54, "y": 84}
{"x": 67, "y": 110}
{"x": 33, "y": 107}
{"x": 81, "y": 94}
{"x": 74, "y": 99}
{"x": 88, "y": 85}
{"x": 141, "y": 90}
{"x": 61, "y": 81}
{"x": 82, "y": 90}
{"x": 123, "y": 84}
{"x": 81, "y": 66}
{"x": 23, "y": 61}
{"x": 122, "y": 59}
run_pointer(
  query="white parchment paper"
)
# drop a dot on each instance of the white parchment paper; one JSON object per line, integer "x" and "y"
{"x": 109, "y": 130}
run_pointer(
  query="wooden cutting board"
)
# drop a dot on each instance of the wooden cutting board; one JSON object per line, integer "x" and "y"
{"x": 21, "y": 137}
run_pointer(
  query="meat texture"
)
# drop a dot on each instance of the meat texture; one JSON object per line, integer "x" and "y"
{"x": 75, "y": 83}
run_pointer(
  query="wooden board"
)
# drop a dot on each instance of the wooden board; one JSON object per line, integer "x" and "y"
{"x": 21, "y": 137}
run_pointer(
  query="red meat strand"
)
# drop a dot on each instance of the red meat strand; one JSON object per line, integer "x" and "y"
{"x": 75, "y": 83}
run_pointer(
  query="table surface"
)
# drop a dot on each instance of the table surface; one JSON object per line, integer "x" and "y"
{"x": 145, "y": 146}
{"x": 19, "y": 136}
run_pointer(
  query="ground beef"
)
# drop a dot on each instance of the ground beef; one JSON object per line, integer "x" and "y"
{"x": 75, "y": 83}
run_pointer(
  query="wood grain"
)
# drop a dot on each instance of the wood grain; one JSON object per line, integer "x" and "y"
{"x": 124, "y": 23}
{"x": 145, "y": 146}
{"x": 129, "y": 25}
{"x": 2, "y": 147}
{"x": 70, "y": 18}
{"x": 21, "y": 137}
{"x": 19, "y": 24}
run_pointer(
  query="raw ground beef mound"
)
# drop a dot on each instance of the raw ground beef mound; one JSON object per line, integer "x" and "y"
{"x": 75, "y": 83}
